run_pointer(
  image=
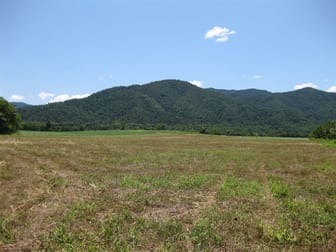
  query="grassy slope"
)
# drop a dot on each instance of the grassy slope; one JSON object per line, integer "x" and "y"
{"x": 165, "y": 191}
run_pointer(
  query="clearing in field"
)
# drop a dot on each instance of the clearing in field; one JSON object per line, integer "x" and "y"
{"x": 171, "y": 191}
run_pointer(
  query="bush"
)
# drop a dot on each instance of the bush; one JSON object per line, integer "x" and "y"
{"x": 325, "y": 131}
{"x": 9, "y": 119}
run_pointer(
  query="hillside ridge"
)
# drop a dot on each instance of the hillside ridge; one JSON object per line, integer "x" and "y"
{"x": 176, "y": 104}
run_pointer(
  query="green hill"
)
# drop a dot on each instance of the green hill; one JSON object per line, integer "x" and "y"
{"x": 175, "y": 104}
{"x": 18, "y": 105}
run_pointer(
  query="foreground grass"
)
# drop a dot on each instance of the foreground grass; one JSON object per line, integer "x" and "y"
{"x": 165, "y": 191}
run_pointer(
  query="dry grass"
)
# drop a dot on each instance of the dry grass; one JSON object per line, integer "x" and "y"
{"x": 166, "y": 192}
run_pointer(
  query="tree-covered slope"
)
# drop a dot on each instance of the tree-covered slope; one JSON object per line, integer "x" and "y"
{"x": 306, "y": 106}
{"x": 18, "y": 105}
{"x": 178, "y": 104}
{"x": 169, "y": 102}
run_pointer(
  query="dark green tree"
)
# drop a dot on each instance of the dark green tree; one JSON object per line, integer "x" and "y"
{"x": 9, "y": 119}
{"x": 325, "y": 131}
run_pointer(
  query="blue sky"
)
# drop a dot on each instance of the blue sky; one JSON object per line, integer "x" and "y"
{"x": 55, "y": 50}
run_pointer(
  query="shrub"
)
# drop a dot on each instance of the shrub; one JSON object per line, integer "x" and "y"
{"x": 9, "y": 119}
{"x": 325, "y": 131}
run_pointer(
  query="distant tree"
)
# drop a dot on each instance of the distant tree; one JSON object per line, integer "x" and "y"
{"x": 48, "y": 125}
{"x": 160, "y": 127}
{"x": 9, "y": 119}
{"x": 203, "y": 130}
{"x": 325, "y": 131}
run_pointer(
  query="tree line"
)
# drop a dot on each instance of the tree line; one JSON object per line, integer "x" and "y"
{"x": 10, "y": 122}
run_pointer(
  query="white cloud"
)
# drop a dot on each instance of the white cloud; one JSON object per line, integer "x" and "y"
{"x": 79, "y": 96}
{"x": 331, "y": 89}
{"x": 197, "y": 83}
{"x": 65, "y": 97}
{"x": 257, "y": 76}
{"x": 45, "y": 95}
{"x": 305, "y": 85}
{"x": 16, "y": 98}
{"x": 221, "y": 34}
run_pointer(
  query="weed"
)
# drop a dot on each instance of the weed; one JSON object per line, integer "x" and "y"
{"x": 278, "y": 188}
{"x": 131, "y": 182}
{"x": 278, "y": 234}
{"x": 6, "y": 236}
{"x": 118, "y": 230}
{"x": 59, "y": 238}
{"x": 55, "y": 182}
{"x": 205, "y": 234}
{"x": 79, "y": 209}
{"x": 171, "y": 230}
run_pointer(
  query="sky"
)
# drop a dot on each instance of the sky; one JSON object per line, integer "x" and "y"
{"x": 53, "y": 50}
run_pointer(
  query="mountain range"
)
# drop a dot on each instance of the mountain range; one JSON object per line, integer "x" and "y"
{"x": 175, "y": 104}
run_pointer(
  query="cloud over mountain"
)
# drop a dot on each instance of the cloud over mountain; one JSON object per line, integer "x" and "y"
{"x": 65, "y": 97}
{"x": 197, "y": 83}
{"x": 305, "y": 85}
{"x": 16, "y": 98}
{"x": 331, "y": 89}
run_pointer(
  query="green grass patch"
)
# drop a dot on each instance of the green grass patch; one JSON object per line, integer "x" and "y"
{"x": 162, "y": 181}
{"x": 280, "y": 233}
{"x": 60, "y": 238}
{"x": 278, "y": 188}
{"x": 126, "y": 232}
{"x": 131, "y": 181}
{"x": 206, "y": 232}
{"x": 80, "y": 209}
{"x": 329, "y": 143}
{"x": 235, "y": 187}
{"x": 197, "y": 181}
{"x": 326, "y": 166}
{"x": 121, "y": 230}
{"x": 300, "y": 222}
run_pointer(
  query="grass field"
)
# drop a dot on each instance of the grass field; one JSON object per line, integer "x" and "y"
{"x": 102, "y": 191}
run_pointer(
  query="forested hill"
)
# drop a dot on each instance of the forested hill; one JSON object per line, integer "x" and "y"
{"x": 19, "y": 104}
{"x": 178, "y": 104}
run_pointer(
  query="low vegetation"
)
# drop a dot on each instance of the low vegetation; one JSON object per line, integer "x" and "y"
{"x": 168, "y": 191}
